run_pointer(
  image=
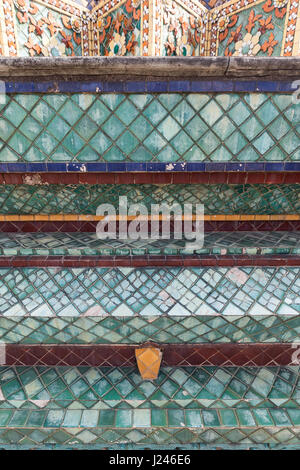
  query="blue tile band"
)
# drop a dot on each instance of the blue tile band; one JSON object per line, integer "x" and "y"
{"x": 172, "y": 86}
{"x": 129, "y": 167}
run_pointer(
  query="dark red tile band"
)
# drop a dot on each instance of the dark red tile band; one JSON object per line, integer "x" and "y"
{"x": 226, "y": 355}
{"x": 90, "y": 227}
{"x": 147, "y": 260}
{"x": 242, "y": 177}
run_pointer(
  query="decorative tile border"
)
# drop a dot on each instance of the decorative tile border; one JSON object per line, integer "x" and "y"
{"x": 159, "y": 167}
{"x": 180, "y": 177}
{"x": 289, "y": 45}
{"x": 147, "y": 261}
{"x": 221, "y": 355}
{"x": 166, "y": 132}
{"x": 94, "y": 218}
{"x": 9, "y": 31}
{"x": 18, "y": 226}
{"x": 152, "y": 29}
{"x": 183, "y": 388}
{"x": 43, "y": 85}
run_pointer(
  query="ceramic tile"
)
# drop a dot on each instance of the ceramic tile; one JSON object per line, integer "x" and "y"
{"x": 85, "y": 198}
{"x": 179, "y": 127}
{"x": 120, "y": 292}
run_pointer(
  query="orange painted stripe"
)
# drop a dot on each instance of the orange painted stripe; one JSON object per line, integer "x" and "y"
{"x": 92, "y": 218}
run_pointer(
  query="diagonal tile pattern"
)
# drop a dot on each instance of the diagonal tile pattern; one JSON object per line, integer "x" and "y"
{"x": 85, "y": 198}
{"x": 98, "y": 406}
{"x": 149, "y": 127}
{"x": 122, "y": 292}
{"x": 176, "y": 329}
{"x": 87, "y": 244}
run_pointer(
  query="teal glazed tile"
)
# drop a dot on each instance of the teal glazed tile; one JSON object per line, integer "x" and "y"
{"x": 107, "y": 418}
{"x": 228, "y": 418}
{"x": 216, "y": 198}
{"x": 158, "y": 417}
{"x": 176, "y": 418}
{"x": 85, "y": 244}
{"x": 193, "y": 418}
{"x": 162, "y": 411}
{"x": 141, "y": 418}
{"x": 95, "y": 302}
{"x": 163, "y": 127}
{"x": 210, "y": 418}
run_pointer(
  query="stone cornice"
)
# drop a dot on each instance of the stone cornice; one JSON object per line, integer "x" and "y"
{"x": 150, "y": 68}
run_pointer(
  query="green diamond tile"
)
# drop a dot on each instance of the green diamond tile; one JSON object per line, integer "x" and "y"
{"x": 267, "y": 113}
{"x": 70, "y": 112}
{"x": 86, "y": 128}
{"x": 98, "y": 112}
{"x": 42, "y": 112}
{"x": 6, "y": 129}
{"x": 127, "y": 142}
{"x": 19, "y": 143}
{"x": 113, "y": 127}
{"x": 31, "y": 128}
{"x": 73, "y": 142}
{"x": 127, "y": 112}
{"x": 211, "y": 113}
{"x": 46, "y": 142}
{"x": 263, "y": 143}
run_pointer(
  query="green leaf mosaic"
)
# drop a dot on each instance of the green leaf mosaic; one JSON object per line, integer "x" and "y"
{"x": 149, "y": 127}
{"x": 84, "y": 198}
{"x": 129, "y": 292}
{"x": 66, "y": 405}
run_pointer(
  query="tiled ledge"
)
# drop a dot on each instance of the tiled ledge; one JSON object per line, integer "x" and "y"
{"x": 216, "y": 243}
{"x": 39, "y": 388}
{"x": 149, "y": 261}
{"x": 10, "y": 226}
{"x": 162, "y": 438}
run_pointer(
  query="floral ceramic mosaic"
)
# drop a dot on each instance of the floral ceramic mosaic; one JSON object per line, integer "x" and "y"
{"x": 257, "y": 30}
{"x": 150, "y": 27}
{"x": 223, "y": 319}
{"x": 119, "y": 32}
